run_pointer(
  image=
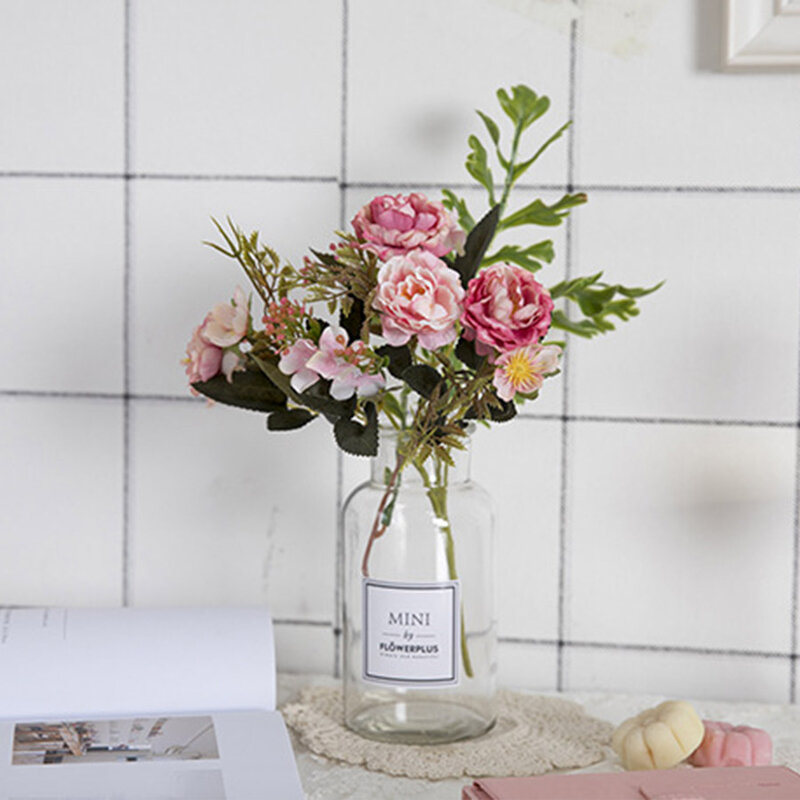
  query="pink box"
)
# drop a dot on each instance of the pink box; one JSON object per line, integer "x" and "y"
{"x": 710, "y": 783}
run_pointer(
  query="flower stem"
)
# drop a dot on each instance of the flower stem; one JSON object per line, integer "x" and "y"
{"x": 438, "y": 497}
{"x": 380, "y": 523}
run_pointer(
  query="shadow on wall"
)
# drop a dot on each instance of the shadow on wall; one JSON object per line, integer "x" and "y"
{"x": 709, "y": 19}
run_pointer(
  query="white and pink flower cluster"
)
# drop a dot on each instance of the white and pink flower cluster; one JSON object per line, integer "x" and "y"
{"x": 224, "y": 327}
{"x": 351, "y": 368}
{"x": 504, "y": 310}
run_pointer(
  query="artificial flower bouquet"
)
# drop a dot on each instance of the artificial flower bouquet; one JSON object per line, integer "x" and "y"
{"x": 415, "y": 316}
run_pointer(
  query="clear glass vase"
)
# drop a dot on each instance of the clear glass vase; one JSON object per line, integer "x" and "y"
{"x": 419, "y": 625}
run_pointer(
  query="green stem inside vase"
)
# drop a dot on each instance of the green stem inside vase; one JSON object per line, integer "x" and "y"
{"x": 437, "y": 494}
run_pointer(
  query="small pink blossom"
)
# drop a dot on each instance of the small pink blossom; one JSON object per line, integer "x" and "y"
{"x": 344, "y": 365}
{"x": 418, "y": 295}
{"x": 294, "y": 362}
{"x": 203, "y": 359}
{"x": 396, "y": 225}
{"x": 227, "y": 322}
{"x": 523, "y": 370}
{"x": 505, "y": 308}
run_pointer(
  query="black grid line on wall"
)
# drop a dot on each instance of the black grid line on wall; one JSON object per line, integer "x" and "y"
{"x": 129, "y": 177}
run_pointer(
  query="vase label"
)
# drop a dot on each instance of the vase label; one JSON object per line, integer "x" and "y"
{"x": 411, "y": 633}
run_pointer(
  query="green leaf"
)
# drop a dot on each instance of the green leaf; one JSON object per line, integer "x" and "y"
{"x": 466, "y": 353}
{"x": 358, "y": 439}
{"x": 316, "y": 397}
{"x": 503, "y": 412}
{"x": 328, "y": 259}
{"x": 566, "y": 288}
{"x": 478, "y": 241}
{"x": 353, "y": 321}
{"x": 477, "y": 166}
{"x": 585, "y": 327}
{"x": 524, "y": 106}
{"x": 459, "y": 205}
{"x": 399, "y": 358}
{"x": 288, "y": 419}
{"x": 491, "y": 126}
{"x": 422, "y": 379}
{"x": 249, "y": 389}
{"x": 538, "y": 213}
{"x": 527, "y": 258}
{"x": 520, "y": 169}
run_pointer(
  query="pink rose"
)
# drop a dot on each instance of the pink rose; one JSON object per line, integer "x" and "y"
{"x": 418, "y": 295}
{"x": 203, "y": 360}
{"x": 396, "y": 225}
{"x": 505, "y": 308}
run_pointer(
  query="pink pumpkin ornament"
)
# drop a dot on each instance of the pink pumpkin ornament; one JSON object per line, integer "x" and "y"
{"x": 726, "y": 745}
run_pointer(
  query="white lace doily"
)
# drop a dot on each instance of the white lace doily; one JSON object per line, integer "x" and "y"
{"x": 533, "y": 735}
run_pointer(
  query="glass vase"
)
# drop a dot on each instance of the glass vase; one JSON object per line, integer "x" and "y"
{"x": 419, "y": 626}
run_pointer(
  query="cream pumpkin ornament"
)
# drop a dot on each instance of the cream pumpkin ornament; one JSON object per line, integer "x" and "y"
{"x": 660, "y": 737}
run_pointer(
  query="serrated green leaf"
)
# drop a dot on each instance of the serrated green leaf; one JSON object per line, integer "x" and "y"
{"x": 566, "y": 288}
{"x": 422, "y": 379}
{"x": 288, "y": 419}
{"x": 503, "y": 412}
{"x": 249, "y": 389}
{"x": 477, "y": 166}
{"x": 459, "y": 205}
{"x": 358, "y": 439}
{"x": 399, "y": 358}
{"x": 466, "y": 353}
{"x": 585, "y": 327}
{"x": 527, "y": 258}
{"x": 538, "y": 213}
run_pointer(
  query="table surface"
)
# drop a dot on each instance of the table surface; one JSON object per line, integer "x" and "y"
{"x": 323, "y": 779}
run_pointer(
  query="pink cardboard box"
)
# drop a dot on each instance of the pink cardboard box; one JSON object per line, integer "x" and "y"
{"x": 711, "y": 783}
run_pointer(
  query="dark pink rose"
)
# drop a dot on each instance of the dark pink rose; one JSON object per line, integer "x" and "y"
{"x": 505, "y": 308}
{"x": 392, "y": 226}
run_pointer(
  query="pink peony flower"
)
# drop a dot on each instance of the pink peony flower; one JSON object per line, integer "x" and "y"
{"x": 418, "y": 295}
{"x": 505, "y": 308}
{"x": 525, "y": 369}
{"x": 203, "y": 359}
{"x": 227, "y": 322}
{"x": 343, "y": 365}
{"x": 396, "y": 225}
{"x": 294, "y": 362}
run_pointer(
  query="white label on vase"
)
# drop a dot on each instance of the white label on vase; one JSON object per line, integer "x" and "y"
{"x": 411, "y": 633}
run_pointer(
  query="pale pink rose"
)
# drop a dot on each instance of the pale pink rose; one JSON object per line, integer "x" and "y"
{"x": 418, "y": 295}
{"x": 393, "y": 225}
{"x": 525, "y": 369}
{"x": 294, "y": 362}
{"x": 344, "y": 365}
{"x": 227, "y": 323}
{"x": 505, "y": 308}
{"x": 203, "y": 359}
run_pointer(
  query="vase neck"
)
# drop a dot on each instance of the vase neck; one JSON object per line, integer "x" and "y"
{"x": 436, "y": 472}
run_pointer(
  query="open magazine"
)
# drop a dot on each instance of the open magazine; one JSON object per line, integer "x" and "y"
{"x": 141, "y": 704}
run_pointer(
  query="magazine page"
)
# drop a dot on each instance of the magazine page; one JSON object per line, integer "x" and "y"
{"x": 219, "y": 756}
{"x": 57, "y": 662}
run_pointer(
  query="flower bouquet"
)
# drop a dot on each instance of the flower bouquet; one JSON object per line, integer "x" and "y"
{"x": 418, "y": 320}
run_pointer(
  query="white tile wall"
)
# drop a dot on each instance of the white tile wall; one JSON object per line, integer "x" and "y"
{"x": 646, "y": 505}
{"x": 62, "y": 91}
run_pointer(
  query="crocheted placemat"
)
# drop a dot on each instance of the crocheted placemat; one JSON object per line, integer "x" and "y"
{"x": 533, "y": 735}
